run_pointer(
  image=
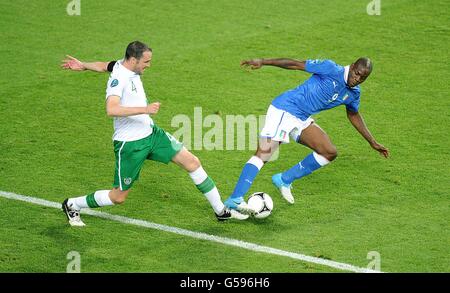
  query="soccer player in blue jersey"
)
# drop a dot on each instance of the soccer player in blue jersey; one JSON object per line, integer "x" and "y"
{"x": 289, "y": 116}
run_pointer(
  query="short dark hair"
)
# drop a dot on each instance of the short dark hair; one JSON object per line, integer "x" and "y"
{"x": 136, "y": 49}
{"x": 365, "y": 63}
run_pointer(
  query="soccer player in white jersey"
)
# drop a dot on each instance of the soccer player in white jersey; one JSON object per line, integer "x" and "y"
{"x": 137, "y": 138}
{"x": 289, "y": 115}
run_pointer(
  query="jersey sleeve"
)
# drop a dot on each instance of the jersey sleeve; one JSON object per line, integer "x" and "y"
{"x": 322, "y": 67}
{"x": 354, "y": 105}
{"x": 115, "y": 86}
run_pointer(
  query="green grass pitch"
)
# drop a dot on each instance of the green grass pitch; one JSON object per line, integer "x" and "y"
{"x": 55, "y": 138}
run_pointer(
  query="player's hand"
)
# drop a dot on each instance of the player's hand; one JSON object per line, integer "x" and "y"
{"x": 72, "y": 63}
{"x": 153, "y": 108}
{"x": 254, "y": 63}
{"x": 380, "y": 148}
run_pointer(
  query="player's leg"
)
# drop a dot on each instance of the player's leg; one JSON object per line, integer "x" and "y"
{"x": 202, "y": 181}
{"x": 167, "y": 149}
{"x": 324, "y": 152}
{"x": 273, "y": 133}
{"x": 204, "y": 184}
{"x": 99, "y": 198}
{"x": 266, "y": 148}
{"x": 118, "y": 196}
{"x": 72, "y": 206}
{"x": 316, "y": 139}
{"x": 129, "y": 161}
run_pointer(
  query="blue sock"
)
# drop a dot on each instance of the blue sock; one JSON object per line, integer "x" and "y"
{"x": 304, "y": 168}
{"x": 248, "y": 174}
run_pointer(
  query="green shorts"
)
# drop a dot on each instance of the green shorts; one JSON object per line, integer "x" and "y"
{"x": 130, "y": 155}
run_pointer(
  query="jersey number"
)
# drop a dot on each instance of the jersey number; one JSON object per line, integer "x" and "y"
{"x": 333, "y": 98}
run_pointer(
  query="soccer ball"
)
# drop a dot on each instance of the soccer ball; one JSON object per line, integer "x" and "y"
{"x": 261, "y": 203}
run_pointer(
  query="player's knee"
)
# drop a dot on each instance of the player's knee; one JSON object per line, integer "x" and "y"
{"x": 194, "y": 162}
{"x": 331, "y": 153}
{"x": 264, "y": 156}
{"x": 119, "y": 197}
{"x": 119, "y": 200}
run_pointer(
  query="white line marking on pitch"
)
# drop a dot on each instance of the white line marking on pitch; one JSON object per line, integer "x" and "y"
{"x": 197, "y": 235}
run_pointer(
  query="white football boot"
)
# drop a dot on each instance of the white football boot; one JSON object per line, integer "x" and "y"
{"x": 285, "y": 189}
{"x": 72, "y": 214}
{"x": 239, "y": 204}
{"x": 228, "y": 213}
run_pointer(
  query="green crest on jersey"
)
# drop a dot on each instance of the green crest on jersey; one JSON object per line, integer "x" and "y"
{"x": 133, "y": 87}
{"x": 114, "y": 82}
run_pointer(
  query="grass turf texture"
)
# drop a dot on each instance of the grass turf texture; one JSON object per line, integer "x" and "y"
{"x": 56, "y": 137}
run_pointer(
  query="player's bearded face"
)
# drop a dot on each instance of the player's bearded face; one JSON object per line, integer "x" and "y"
{"x": 143, "y": 62}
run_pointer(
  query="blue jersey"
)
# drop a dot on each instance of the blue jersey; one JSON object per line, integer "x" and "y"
{"x": 325, "y": 89}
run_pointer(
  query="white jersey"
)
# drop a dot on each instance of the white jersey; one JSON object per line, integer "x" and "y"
{"x": 128, "y": 86}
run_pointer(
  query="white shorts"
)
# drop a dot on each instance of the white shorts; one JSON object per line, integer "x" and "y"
{"x": 280, "y": 125}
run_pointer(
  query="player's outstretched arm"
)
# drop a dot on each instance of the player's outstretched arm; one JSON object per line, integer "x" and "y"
{"x": 358, "y": 122}
{"x": 74, "y": 64}
{"x": 285, "y": 63}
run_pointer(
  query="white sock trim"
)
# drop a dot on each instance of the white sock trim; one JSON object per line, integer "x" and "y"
{"x": 198, "y": 176}
{"x": 320, "y": 159}
{"x": 73, "y": 202}
{"x": 102, "y": 198}
{"x": 215, "y": 201}
{"x": 257, "y": 162}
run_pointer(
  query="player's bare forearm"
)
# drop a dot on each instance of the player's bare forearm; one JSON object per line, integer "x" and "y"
{"x": 285, "y": 63}
{"x": 96, "y": 66}
{"x": 74, "y": 64}
{"x": 358, "y": 122}
{"x": 279, "y": 62}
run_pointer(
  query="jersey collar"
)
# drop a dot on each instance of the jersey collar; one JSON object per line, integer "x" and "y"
{"x": 126, "y": 70}
{"x": 346, "y": 70}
